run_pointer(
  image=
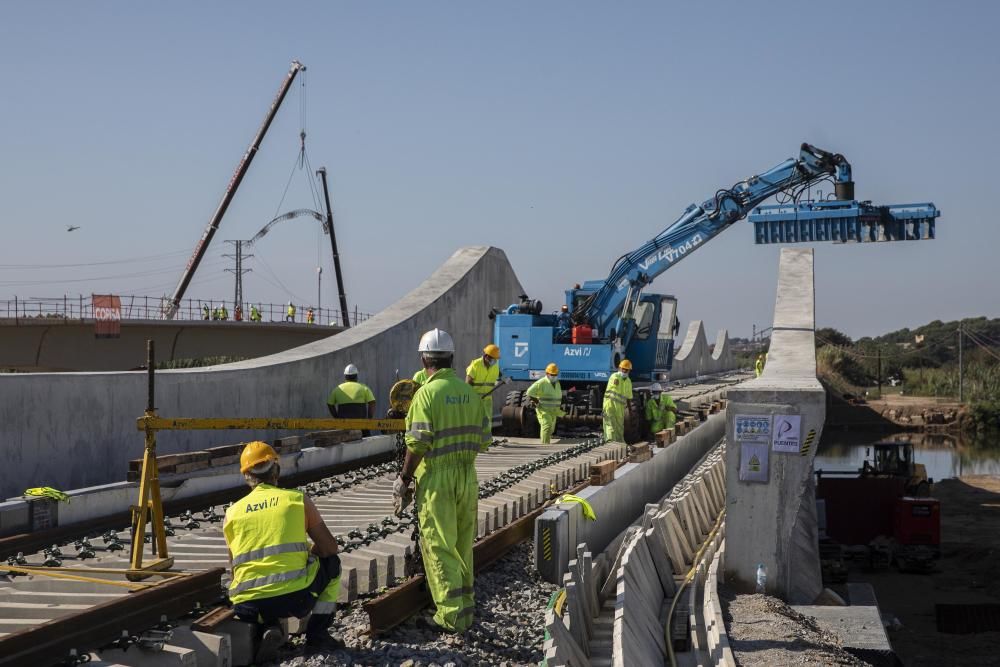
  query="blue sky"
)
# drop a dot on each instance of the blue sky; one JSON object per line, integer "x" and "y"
{"x": 564, "y": 133}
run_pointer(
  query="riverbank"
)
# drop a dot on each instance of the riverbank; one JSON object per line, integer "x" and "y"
{"x": 966, "y": 574}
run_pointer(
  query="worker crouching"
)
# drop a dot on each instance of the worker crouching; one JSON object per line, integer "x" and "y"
{"x": 546, "y": 394}
{"x": 661, "y": 411}
{"x": 445, "y": 431}
{"x": 275, "y": 572}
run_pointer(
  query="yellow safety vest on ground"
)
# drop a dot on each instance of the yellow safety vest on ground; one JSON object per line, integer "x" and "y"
{"x": 266, "y": 533}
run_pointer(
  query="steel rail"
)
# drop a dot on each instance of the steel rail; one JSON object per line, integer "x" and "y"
{"x": 397, "y": 605}
{"x": 103, "y": 624}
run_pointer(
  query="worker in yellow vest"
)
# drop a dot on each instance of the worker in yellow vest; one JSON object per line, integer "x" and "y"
{"x": 290, "y": 313}
{"x": 661, "y": 411}
{"x": 616, "y": 397}
{"x": 546, "y": 394}
{"x": 484, "y": 374}
{"x": 445, "y": 431}
{"x": 421, "y": 377}
{"x": 275, "y": 572}
{"x": 351, "y": 399}
{"x": 758, "y": 367}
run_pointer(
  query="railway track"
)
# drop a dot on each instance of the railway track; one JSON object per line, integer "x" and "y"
{"x": 517, "y": 476}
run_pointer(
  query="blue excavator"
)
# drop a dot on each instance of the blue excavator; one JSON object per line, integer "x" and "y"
{"x": 605, "y": 321}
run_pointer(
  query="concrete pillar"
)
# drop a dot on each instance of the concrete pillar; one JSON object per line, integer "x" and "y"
{"x": 773, "y": 426}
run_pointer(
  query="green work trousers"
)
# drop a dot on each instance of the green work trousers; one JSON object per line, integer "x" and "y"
{"x": 614, "y": 422}
{"x": 447, "y": 504}
{"x": 547, "y": 423}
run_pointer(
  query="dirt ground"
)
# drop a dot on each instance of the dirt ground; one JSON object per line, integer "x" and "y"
{"x": 968, "y": 572}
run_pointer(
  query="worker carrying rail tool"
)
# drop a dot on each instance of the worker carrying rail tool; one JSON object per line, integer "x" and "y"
{"x": 616, "y": 397}
{"x": 483, "y": 374}
{"x": 546, "y": 394}
{"x": 275, "y": 572}
{"x": 661, "y": 411}
{"x": 352, "y": 399}
{"x": 445, "y": 431}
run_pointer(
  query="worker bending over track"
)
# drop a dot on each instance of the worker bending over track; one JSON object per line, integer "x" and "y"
{"x": 445, "y": 431}
{"x": 661, "y": 411}
{"x": 276, "y": 574}
{"x": 483, "y": 374}
{"x": 616, "y": 397}
{"x": 547, "y": 396}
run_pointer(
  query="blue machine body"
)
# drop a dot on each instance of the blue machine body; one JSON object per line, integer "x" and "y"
{"x": 628, "y": 323}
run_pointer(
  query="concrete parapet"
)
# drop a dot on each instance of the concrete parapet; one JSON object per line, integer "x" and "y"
{"x": 774, "y": 424}
{"x": 619, "y": 503}
{"x": 71, "y": 430}
{"x": 694, "y": 357}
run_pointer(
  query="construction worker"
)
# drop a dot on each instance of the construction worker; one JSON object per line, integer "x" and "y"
{"x": 254, "y": 313}
{"x": 238, "y": 313}
{"x": 290, "y": 313}
{"x": 616, "y": 397}
{"x": 445, "y": 431}
{"x": 483, "y": 374}
{"x": 275, "y": 572}
{"x": 546, "y": 394}
{"x": 564, "y": 325}
{"x": 216, "y": 314}
{"x": 351, "y": 399}
{"x": 206, "y": 314}
{"x": 310, "y": 316}
{"x": 223, "y": 312}
{"x": 758, "y": 367}
{"x": 420, "y": 377}
{"x": 661, "y": 411}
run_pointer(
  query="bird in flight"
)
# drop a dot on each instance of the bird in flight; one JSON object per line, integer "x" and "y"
{"x": 70, "y": 228}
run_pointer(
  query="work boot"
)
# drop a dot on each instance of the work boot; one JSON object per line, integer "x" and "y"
{"x": 272, "y": 639}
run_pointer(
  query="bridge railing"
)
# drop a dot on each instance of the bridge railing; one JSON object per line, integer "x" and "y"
{"x": 151, "y": 308}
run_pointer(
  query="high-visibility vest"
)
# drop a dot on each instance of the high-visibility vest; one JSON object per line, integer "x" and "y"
{"x": 446, "y": 423}
{"x": 351, "y": 400}
{"x": 266, "y": 533}
{"x": 483, "y": 378}
{"x": 291, "y": 311}
{"x": 420, "y": 377}
{"x": 618, "y": 392}
{"x": 549, "y": 395}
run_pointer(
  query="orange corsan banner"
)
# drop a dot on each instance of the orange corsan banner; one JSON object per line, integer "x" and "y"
{"x": 107, "y": 316}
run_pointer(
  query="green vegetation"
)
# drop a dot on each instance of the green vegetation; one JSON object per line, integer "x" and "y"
{"x": 197, "y": 363}
{"x": 922, "y": 361}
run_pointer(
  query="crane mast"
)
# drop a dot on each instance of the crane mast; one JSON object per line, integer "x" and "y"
{"x": 170, "y": 308}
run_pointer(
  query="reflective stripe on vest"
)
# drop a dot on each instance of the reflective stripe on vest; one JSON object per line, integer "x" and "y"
{"x": 445, "y": 423}
{"x": 266, "y": 533}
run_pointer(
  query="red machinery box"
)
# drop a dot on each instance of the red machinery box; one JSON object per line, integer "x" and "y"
{"x": 583, "y": 335}
{"x": 917, "y": 521}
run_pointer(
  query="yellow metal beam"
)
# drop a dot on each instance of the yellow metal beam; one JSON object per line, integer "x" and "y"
{"x": 152, "y": 423}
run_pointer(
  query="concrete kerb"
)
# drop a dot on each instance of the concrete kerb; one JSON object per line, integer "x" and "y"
{"x": 619, "y": 503}
{"x": 108, "y": 499}
{"x": 773, "y": 522}
{"x": 92, "y": 415}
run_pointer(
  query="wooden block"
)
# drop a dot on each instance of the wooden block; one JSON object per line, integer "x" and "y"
{"x": 640, "y": 453}
{"x": 223, "y": 461}
{"x": 190, "y": 467}
{"x": 289, "y": 447}
{"x": 602, "y": 473}
{"x": 225, "y": 450}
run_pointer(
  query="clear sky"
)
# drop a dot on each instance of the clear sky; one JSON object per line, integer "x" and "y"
{"x": 565, "y": 133}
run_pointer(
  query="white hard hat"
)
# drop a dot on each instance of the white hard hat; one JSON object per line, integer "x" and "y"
{"x": 656, "y": 387}
{"x": 436, "y": 340}
{"x": 350, "y": 369}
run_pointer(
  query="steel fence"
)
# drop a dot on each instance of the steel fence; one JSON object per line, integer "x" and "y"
{"x": 134, "y": 308}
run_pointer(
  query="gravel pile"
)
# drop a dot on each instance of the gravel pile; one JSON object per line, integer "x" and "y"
{"x": 764, "y": 631}
{"x": 508, "y": 630}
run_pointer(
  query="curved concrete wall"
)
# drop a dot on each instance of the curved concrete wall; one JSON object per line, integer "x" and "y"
{"x": 71, "y": 430}
{"x": 694, "y": 358}
{"x": 69, "y": 345}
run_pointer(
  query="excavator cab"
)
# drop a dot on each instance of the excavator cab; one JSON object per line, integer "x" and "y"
{"x": 895, "y": 459}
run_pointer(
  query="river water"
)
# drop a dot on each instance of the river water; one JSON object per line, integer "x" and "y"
{"x": 945, "y": 455}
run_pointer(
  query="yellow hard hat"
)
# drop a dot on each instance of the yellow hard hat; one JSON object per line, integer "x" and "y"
{"x": 255, "y": 453}
{"x": 492, "y": 350}
{"x": 552, "y": 369}
{"x": 625, "y": 365}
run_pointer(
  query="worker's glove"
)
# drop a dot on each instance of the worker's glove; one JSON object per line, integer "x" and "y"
{"x": 402, "y": 495}
{"x": 500, "y": 381}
